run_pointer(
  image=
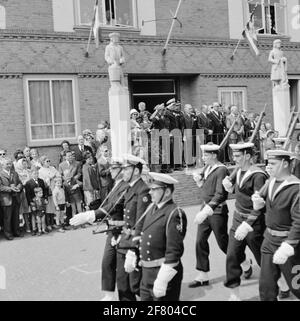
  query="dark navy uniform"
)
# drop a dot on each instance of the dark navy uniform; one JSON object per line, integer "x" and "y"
{"x": 283, "y": 225}
{"x": 114, "y": 206}
{"x": 245, "y": 186}
{"x": 213, "y": 194}
{"x": 136, "y": 201}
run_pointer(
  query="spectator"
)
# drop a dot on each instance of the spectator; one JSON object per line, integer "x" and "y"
{"x": 18, "y": 154}
{"x": 80, "y": 149}
{"x": 38, "y": 208}
{"x": 65, "y": 145}
{"x": 47, "y": 173}
{"x": 31, "y": 184}
{"x": 59, "y": 200}
{"x": 24, "y": 174}
{"x": 35, "y": 158}
{"x": 204, "y": 123}
{"x": 190, "y": 127}
{"x": 92, "y": 143}
{"x": 269, "y": 126}
{"x": 269, "y": 143}
{"x": 296, "y": 162}
{"x": 106, "y": 181}
{"x": 27, "y": 155}
{"x": 10, "y": 189}
{"x": 142, "y": 111}
{"x": 71, "y": 172}
{"x": 101, "y": 133}
{"x": 217, "y": 123}
{"x": 90, "y": 180}
{"x": 238, "y": 127}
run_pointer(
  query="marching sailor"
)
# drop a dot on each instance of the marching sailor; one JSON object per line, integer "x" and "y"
{"x": 248, "y": 223}
{"x": 112, "y": 210}
{"x": 280, "y": 251}
{"x": 214, "y": 213}
{"x": 161, "y": 243}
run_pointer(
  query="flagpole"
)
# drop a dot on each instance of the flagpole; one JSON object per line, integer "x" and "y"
{"x": 91, "y": 30}
{"x": 236, "y": 47}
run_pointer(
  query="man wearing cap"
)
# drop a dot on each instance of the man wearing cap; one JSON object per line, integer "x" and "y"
{"x": 280, "y": 250}
{"x": 248, "y": 223}
{"x": 136, "y": 201}
{"x": 214, "y": 213}
{"x": 111, "y": 210}
{"x": 161, "y": 243}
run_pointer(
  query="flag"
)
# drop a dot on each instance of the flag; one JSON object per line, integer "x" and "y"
{"x": 249, "y": 34}
{"x": 96, "y": 24}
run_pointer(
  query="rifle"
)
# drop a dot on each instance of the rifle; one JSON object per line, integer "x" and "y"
{"x": 251, "y": 140}
{"x": 116, "y": 230}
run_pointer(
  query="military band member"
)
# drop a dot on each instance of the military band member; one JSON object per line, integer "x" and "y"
{"x": 136, "y": 201}
{"x": 248, "y": 224}
{"x": 112, "y": 210}
{"x": 280, "y": 250}
{"x": 161, "y": 243}
{"x": 214, "y": 214}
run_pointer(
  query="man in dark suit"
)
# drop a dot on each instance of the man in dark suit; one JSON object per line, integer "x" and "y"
{"x": 189, "y": 135}
{"x": 106, "y": 180}
{"x": 218, "y": 124}
{"x": 10, "y": 189}
{"x": 204, "y": 122}
{"x": 81, "y": 149}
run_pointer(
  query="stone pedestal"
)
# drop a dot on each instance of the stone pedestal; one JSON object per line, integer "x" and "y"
{"x": 281, "y": 109}
{"x": 119, "y": 119}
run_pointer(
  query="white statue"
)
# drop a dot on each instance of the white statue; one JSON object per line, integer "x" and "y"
{"x": 279, "y": 65}
{"x": 114, "y": 56}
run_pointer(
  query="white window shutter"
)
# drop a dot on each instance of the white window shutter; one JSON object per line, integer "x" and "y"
{"x": 146, "y": 12}
{"x": 280, "y": 19}
{"x": 293, "y": 8}
{"x": 236, "y": 18}
{"x": 63, "y": 15}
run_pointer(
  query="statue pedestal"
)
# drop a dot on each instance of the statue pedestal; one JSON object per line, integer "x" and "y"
{"x": 119, "y": 119}
{"x": 281, "y": 109}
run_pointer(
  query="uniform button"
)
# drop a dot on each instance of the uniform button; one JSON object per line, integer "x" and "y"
{"x": 140, "y": 248}
{"x": 141, "y": 257}
{"x": 150, "y": 236}
{"x": 148, "y": 243}
{"x": 128, "y": 216}
{"x": 148, "y": 252}
{"x": 128, "y": 211}
{"x": 148, "y": 259}
{"x": 142, "y": 233}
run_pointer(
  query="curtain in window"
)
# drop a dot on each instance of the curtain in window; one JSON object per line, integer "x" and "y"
{"x": 63, "y": 110}
{"x": 226, "y": 98}
{"x": 40, "y": 109}
{"x": 238, "y": 99}
{"x": 124, "y": 12}
{"x": 2, "y": 18}
{"x": 86, "y": 11}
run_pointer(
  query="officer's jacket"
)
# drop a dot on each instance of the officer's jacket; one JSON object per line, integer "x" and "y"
{"x": 136, "y": 201}
{"x": 245, "y": 187}
{"x": 114, "y": 204}
{"x": 212, "y": 191}
{"x": 283, "y": 208}
{"x": 163, "y": 233}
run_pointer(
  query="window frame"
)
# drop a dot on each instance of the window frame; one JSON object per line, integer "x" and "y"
{"x": 263, "y": 4}
{"x": 231, "y": 89}
{"x": 53, "y": 141}
{"x": 102, "y": 16}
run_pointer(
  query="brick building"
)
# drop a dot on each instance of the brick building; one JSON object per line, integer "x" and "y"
{"x": 50, "y": 91}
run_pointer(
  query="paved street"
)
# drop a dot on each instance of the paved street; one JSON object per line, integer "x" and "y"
{"x": 66, "y": 266}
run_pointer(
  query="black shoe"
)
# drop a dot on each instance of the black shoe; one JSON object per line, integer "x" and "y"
{"x": 248, "y": 273}
{"x": 18, "y": 235}
{"x": 195, "y": 283}
{"x": 9, "y": 237}
{"x": 284, "y": 294}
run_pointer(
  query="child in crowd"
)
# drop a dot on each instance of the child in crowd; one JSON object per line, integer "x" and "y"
{"x": 38, "y": 209}
{"x": 59, "y": 200}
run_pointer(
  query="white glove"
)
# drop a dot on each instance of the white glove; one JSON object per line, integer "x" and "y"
{"x": 203, "y": 214}
{"x": 242, "y": 231}
{"x": 283, "y": 253}
{"x": 227, "y": 184}
{"x": 82, "y": 218}
{"x": 164, "y": 276}
{"x": 258, "y": 201}
{"x": 130, "y": 261}
{"x": 114, "y": 241}
{"x": 198, "y": 179}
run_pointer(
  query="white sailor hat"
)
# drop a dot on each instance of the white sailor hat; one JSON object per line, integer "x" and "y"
{"x": 171, "y": 101}
{"x": 133, "y": 111}
{"x": 210, "y": 148}
{"x": 279, "y": 154}
{"x": 116, "y": 162}
{"x": 241, "y": 146}
{"x": 114, "y": 34}
{"x": 131, "y": 160}
{"x": 161, "y": 180}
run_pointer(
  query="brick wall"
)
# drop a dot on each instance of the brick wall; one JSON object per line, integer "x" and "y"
{"x": 200, "y": 18}
{"x": 28, "y": 14}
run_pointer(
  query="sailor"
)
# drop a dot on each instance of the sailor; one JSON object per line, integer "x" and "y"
{"x": 111, "y": 210}
{"x": 280, "y": 251}
{"x": 136, "y": 202}
{"x": 213, "y": 215}
{"x": 248, "y": 224}
{"x": 161, "y": 243}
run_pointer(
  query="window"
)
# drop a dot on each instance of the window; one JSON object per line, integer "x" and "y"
{"x": 51, "y": 109}
{"x": 2, "y": 18}
{"x": 118, "y": 13}
{"x": 233, "y": 96}
{"x": 152, "y": 91}
{"x": 269, "y": 16}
